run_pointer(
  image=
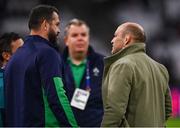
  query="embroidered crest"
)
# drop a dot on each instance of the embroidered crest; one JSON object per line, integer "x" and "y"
{"x": 96, "y": 71}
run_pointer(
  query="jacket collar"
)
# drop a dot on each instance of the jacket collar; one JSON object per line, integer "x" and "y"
{"x": 133, "y": 48}
{"x": 38, "y": 38}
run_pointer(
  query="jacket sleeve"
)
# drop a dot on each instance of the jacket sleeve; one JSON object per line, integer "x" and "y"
{"x": 119, "y": 87}
{"x": 168, "y": 104}
{"x": 49, "y": 64}
{"x": 168, "y": 100}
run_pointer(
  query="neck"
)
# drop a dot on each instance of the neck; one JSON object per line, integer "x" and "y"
{"x": 39, "y": 33}
{"x": 76, "y": 62}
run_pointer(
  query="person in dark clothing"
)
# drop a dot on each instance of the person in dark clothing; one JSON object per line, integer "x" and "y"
{"x": 9, "y": 43}
{"x": 83, "y": 71}
{"x": 33, "y": 77}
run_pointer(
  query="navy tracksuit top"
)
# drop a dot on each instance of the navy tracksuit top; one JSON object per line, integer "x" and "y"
{"x": 29, "y": 70}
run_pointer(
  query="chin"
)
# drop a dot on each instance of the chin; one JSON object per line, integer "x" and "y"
{"x": 80, "y": 50}
{"x": 112, "y": 52}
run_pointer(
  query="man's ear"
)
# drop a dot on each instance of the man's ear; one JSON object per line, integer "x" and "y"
{"x": 45, "y": 25}
{"x": 6, "y": 56}
{"x": 65, "y": 40}
{"x": 127, "y": 39}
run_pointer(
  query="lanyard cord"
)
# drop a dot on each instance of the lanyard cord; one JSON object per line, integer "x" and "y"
{"x": 88, "y": 88}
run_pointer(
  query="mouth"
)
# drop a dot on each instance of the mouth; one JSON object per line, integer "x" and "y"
{"x": 80, "y": 46}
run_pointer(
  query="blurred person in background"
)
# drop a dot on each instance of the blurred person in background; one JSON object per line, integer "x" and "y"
{"x": 33, "y": 85}
{"x": 9, "y": 43}
{"x": 83, "y": 69}
{"x": 135, "y": 87}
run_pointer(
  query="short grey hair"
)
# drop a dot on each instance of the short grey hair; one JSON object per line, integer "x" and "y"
{"x": 76, "y": 22}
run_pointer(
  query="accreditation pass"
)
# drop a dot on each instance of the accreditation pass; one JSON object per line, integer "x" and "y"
{"x": 80, "y": 98}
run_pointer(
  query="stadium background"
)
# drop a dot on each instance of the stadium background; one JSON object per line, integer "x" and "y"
{"x": 160, "y": 18}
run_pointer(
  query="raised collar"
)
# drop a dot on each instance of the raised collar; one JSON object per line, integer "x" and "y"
{"x": 133, "y": 48}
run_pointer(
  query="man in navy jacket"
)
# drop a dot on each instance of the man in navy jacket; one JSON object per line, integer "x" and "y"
{"x": 83, "y": 70}
{"x": 33, "y": 85}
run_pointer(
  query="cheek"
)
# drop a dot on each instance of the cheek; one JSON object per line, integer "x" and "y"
{"x": 54, "y": 28}
{"x": 69, "y": 40}
{"x": 118, "y": 44}
{"x": 86, "y": 41}
{"x": 57, "y": 29}
{"x": 119, "y": 41}
{"x": 70, "y": 43}
{"x": 14, "y": 49}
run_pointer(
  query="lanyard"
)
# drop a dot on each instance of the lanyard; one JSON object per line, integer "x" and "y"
{"x": 88, "y": 88}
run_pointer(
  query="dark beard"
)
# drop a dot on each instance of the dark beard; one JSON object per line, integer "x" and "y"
{"x": 52, "y": 36}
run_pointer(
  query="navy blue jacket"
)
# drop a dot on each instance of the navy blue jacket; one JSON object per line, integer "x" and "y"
{"x": 92, "y": 115}
{"x": 29, "y": 75}
{"x": 1, "y": 97}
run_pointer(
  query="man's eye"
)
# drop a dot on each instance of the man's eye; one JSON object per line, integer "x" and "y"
{"x": 74, "y": 35}
{"x": 83, "y": 34}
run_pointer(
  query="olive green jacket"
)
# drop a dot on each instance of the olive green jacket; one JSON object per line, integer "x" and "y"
{"x": 135, "y": 89}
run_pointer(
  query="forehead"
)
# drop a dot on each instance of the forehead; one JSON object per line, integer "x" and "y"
{"x": 55, "y": 16}
{"x": 119, "y": 29}
{"x": 78, "y": 28}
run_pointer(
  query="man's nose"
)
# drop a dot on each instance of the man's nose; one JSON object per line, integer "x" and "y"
{"x": 58, "y": 33}
{"x": 112, "y": 41}
{"x": 80, "y": 37}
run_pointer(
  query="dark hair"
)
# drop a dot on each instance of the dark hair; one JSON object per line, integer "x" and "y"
{"x": 75, "y": 22}
{"x": 39, "y": 14}
{"x": 5, "y": 42}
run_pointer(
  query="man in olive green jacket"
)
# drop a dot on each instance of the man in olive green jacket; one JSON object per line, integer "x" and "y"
{"x": 135, "y": 87}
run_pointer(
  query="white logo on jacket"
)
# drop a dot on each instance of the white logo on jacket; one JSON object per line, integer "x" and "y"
{"x": 96, "y": 71}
